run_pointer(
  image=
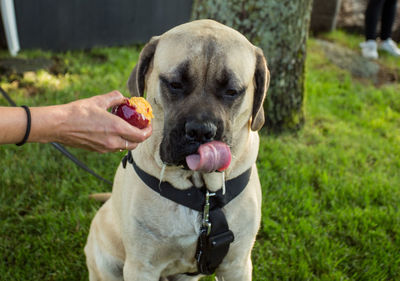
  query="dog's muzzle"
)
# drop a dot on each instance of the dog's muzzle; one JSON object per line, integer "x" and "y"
{"x": 185, "y": 138}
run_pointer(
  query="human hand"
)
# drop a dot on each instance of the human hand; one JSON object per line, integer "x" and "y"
{"x": 87, "y": 124}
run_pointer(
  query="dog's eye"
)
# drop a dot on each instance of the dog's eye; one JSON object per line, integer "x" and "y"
{"x": 231, "y": 93}
{"x": 176, "y": 86}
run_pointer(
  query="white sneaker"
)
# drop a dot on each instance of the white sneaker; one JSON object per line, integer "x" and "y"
{"x": 369, "y": 49}
{"x": 390, "y": 46}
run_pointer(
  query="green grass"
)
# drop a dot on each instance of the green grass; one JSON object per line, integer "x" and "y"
{"x": 330, "y": 191}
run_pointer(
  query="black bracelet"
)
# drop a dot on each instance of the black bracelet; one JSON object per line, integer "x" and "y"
{"x": 28, "y": 125}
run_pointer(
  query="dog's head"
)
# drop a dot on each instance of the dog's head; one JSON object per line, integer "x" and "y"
{"x": 205, "y": 82}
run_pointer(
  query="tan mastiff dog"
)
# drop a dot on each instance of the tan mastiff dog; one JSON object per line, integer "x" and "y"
{"x": 206, "y": 82}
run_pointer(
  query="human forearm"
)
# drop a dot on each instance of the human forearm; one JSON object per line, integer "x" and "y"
{"x": 12, "y": 124}
{"x": 84, "y": 123}
{"x": 45, "y": 122}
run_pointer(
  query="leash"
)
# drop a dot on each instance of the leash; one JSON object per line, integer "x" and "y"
{"x": 61, "y": 148}
{"x": 215, "y": 235}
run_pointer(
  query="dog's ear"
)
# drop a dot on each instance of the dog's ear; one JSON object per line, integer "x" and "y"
{"x": 136, "y": 82}
{"x": 261, "y": 79}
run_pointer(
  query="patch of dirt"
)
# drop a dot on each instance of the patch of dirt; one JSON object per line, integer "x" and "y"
{"x": 15, "y": 70}
{"x": 95, "y": 56}
{"x": 360, "y": 67}
{"x": 58, "y": 66}
{"x": 31, "y": 90}
{"x": 16, "y": 67}
{"x": 387, "y": 76}
{"x": 10, "y": 66}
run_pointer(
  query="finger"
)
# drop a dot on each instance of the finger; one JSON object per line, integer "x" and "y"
{"x": 124, "y": 145}
{"x": 114, "y": 144}
{"x": 147, "y": 131}
{"x": 111, "y": 99}
{"x": 130, "y": 145}
{"x": 133, "y": 134}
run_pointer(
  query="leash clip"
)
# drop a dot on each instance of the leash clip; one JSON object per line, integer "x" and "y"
{"x": 206, "y": 213}
{"x": 127, "y": 158}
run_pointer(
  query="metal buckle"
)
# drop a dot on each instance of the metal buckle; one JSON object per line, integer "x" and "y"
{"x": 206, "y": 212}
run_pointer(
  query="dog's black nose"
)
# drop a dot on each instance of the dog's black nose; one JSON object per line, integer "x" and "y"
{"x": 200, "y": 131}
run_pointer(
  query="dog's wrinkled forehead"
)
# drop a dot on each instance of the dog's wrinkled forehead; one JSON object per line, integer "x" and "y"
{"x": 205, "y": 51}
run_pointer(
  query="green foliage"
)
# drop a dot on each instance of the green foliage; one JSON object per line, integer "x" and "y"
{"x": 45, "y": 211}
{"x": 330, "y": 191}
{"x": 330, "y": 202}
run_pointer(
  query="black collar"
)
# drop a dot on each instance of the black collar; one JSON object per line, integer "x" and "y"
{"x": 192, "y": 197}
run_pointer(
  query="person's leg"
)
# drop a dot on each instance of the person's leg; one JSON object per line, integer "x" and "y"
{"x": 369, "y": 48}
{"x": 372, "y": 15}
{"x": 388, "y": 16}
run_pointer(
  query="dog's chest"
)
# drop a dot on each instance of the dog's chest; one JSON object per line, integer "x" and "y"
{"x": 168, "y": 235}
{"x": 162, "y": 231}
{"x": 168, "y": 222}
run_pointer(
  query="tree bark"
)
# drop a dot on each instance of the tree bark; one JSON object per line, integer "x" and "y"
{"x": 280, "y": 28}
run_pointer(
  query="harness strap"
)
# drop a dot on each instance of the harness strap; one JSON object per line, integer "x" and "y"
{"x": 213, "y": 245}
{"x": 192, "y": 197}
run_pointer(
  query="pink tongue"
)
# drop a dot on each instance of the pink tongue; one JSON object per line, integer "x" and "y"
{"x": 211, "y": 156}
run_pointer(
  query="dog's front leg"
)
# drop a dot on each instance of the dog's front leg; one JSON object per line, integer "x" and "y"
{"x": 136, "y": 270}
{"x": 234, "y": 271}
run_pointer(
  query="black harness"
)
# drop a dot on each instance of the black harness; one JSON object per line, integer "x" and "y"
{"x": 215, "y": 235}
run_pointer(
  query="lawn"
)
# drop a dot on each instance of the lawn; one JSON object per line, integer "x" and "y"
{"x": 331, "y": 192}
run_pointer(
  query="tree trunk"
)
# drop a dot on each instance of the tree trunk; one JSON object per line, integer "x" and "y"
{"x": 324, "y": 15}
{"x": 280, "y": 28}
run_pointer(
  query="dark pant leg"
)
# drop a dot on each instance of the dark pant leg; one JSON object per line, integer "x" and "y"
{"x": 372, "y": 15}
{"x": 388, "y": 16}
